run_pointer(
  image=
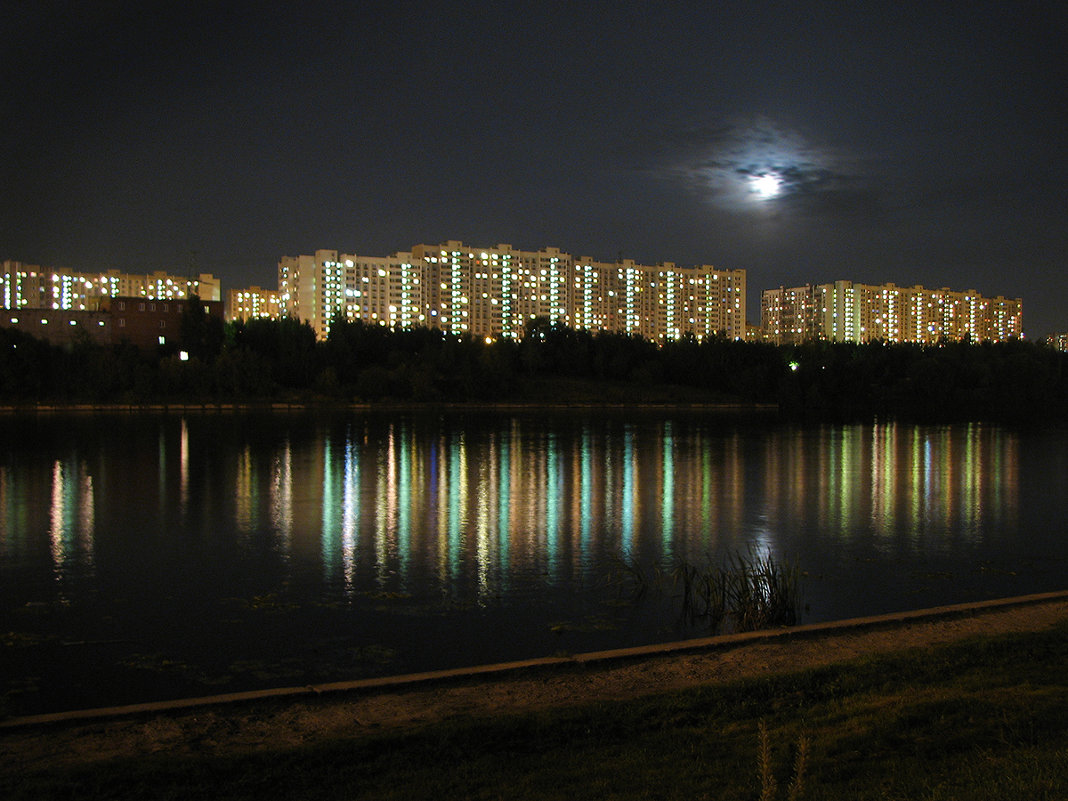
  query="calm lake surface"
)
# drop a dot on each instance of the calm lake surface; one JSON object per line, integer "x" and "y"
{"x": 148, "y": 556}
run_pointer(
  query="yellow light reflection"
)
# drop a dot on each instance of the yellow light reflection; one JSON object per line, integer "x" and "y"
{"x": 244, "y": 498}
{"x": 72, "y": 517}
{"x": 183, "y": 468}
{"x": 282, "y": 494}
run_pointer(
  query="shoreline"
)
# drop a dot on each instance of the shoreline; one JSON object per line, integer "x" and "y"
{"x": 530, "y": 669}
{"x": 313, "y": 718}
{"x": 304, "y": 406}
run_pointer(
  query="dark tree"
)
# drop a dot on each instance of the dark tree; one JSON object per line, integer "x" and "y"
{"x": 200, "y": 333}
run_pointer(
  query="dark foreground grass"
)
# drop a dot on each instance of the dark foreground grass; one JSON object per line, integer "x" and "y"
{"x": 987, "y": 719}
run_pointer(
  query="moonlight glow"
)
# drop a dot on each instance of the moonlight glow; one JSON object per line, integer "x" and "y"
{"x": 765, "y": 186}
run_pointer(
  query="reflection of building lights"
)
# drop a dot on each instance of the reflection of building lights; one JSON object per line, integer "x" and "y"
{"x": 282, "y": 493}
{"x": 667, "y": 499}
{"x": 521, "y": 502}
{"x": 72, "y": 516}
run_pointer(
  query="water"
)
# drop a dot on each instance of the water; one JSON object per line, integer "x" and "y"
{"x": 157, "y": 556}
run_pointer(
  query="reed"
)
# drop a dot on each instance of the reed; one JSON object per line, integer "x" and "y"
{"x": 747, "y": 592}
{"x": 761, "y": 592}
{"x": 704, "y": 593}
{"x": 629, "y": 576}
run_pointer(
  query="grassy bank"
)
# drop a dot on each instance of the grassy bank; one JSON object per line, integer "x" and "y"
{"x": 987, "y": 719}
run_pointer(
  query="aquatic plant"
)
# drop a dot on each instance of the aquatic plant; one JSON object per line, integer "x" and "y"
{"x": 628, "y": 576}
{"x": 747, "y": 592}
{"x": 705, "y": 597}
{"x": 761, "y": 592}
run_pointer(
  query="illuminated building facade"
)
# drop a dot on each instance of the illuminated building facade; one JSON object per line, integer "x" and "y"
{"x": 846, "y": 312}
{"x": 28, "y": 286}
{"x": 1058, "y": 341}
{"x": 496, "y": 292}
{"x": 252, "y": 303}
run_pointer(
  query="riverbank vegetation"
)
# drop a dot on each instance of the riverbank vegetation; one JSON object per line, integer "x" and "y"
{"x": 281, "y": 360}
{"x": 986, "y": 719}
{"x": 748, "y": 591}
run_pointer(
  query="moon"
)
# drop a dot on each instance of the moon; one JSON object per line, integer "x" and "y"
{"x": 765, "y": 186}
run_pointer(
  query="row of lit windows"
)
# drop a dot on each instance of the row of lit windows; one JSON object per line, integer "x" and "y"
{"x": 543, "y": 291}
{"x": 46, "y": 321}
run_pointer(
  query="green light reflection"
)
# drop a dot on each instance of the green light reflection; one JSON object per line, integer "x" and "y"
{"x": 667, "y": 496}
{"x": 507, "y": 500}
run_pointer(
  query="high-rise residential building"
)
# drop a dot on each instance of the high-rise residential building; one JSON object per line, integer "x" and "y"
{"x": 34, "y": 287}
{"x": 491, "y": 292}
{"x": 251, "y": 303}
{"x": 1058, "y": 341}
{"x": 847, "y": 312}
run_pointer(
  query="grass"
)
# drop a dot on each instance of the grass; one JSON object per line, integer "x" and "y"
{"x": 769, "y": 785}
{"x": 987, "y": 719}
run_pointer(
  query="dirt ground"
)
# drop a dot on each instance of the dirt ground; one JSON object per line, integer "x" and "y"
{"x": 240, "y": 727}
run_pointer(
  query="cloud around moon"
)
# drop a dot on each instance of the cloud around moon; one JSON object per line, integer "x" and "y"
{"x": 746, "y": 165}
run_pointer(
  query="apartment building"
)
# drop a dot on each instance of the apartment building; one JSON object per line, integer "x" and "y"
{"x": 1058, "y": 341}
{"x": 60, "y": 326}
{"x": 251, "y": 303}
{"x": 843, "y": 311}
{"x": 148, "y": 323}
{"x": 142, "y": 322}
{"x": 31, "y": 286}
{"x": 492, "y": 292}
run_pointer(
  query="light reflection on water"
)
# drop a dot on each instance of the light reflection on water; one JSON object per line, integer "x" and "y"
{"x": 71, "y": 518}
{"x": 477, "y": 530}
{"x": 887, "y": 480}
{"x": 406, "y": 497}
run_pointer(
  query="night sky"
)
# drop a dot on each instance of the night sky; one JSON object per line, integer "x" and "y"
{"x": 919, "y": 143}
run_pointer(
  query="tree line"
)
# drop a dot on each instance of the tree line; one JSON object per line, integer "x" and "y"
{"x": 281, "y": 360}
